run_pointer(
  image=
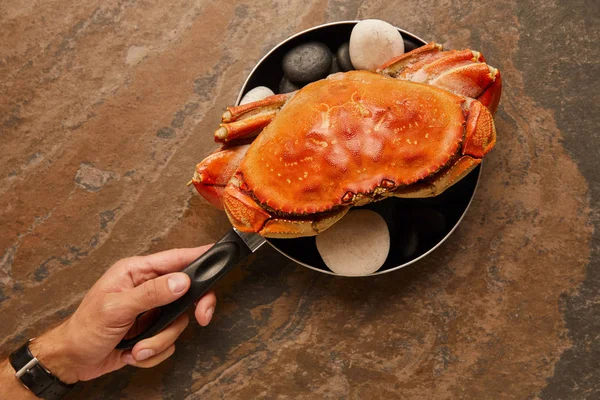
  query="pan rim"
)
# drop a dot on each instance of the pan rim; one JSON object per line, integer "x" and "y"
{"x": 439, "y": 243}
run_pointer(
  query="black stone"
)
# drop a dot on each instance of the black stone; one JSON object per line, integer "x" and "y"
{"x": 307, "y": 63}
{"x": 287, "y": 86}
{"x": 343, "y": 57}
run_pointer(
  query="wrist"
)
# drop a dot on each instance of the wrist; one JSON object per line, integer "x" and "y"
{"x": 54, "y": 353}
{"x": 10, "y": 386}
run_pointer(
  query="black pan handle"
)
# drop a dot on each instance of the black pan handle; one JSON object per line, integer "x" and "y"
{"x": 204, "y": 272}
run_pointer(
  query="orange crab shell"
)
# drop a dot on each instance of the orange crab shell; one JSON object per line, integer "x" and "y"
{"x": 365, "y": 131}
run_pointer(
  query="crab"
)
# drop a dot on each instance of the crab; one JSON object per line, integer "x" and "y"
{"x": 293, "y": 164}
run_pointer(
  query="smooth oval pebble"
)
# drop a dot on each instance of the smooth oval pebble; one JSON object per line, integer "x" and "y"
{"x": 256, "y": 94}
{"x": 306, "y": 63}
{"x": 374, "y": 42}
{"x": 357, "y": 245}
{"x": 287, "y": 86}
{"x": 343, "y": 57}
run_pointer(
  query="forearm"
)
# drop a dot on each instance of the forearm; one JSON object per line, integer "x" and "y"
{"x": 10, "y": 386}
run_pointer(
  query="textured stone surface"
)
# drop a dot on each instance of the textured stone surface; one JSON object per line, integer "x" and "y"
{"x": 106, "y": 106}
{"x": 307, "y": 62}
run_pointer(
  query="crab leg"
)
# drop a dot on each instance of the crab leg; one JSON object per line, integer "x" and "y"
{"x": 449, "y": 60}
{"x": 417, "y": 57}
{"x": 246, "y": 120}
{"x": 244, "y": 128}
{"x": 463, "y": 72}
{"x": 467, "y": 80}
{"x": 271, "y": 103}
{"x": 282, "y": 228}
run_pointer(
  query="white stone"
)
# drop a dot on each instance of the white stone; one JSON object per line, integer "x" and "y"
{"x": 357, "y": 245}
{"x": 256, "y": 94}
{"x": 374, "y": 42}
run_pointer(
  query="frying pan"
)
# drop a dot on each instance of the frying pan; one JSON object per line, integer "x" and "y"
{"x": 416, "y": 226}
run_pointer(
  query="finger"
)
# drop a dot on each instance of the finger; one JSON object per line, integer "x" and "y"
{"x": 150, "y": 362}
{"x": 160, "y": 342}
{"x": 153, "y": 293}
{"x": 171, "y": 260}
{"x": 206, "y": 308}
{"x": 143, "y": 268}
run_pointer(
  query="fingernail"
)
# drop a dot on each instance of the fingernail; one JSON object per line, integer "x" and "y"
{"x": 209, "y": 314}
{"x": 177, "y": 283}
{"x": 144, "y": 354}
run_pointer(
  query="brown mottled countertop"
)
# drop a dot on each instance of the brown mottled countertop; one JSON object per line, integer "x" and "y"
{"x": 106, "y": 106}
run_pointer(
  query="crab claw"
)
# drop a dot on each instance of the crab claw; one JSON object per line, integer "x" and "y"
{"x": 242, "y": 210}
{"x": 213, "y": 173}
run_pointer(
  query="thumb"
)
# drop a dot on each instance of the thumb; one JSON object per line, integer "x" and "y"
{"x": 155, "y": 293}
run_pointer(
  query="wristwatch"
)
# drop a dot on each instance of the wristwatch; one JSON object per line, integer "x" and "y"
{"x": 35, "y": 376}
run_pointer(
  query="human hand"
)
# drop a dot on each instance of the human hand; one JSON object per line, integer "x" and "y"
{"x": 83, "y": 347}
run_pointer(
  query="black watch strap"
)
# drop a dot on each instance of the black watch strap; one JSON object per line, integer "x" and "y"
{"x": 35, "y": 377}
